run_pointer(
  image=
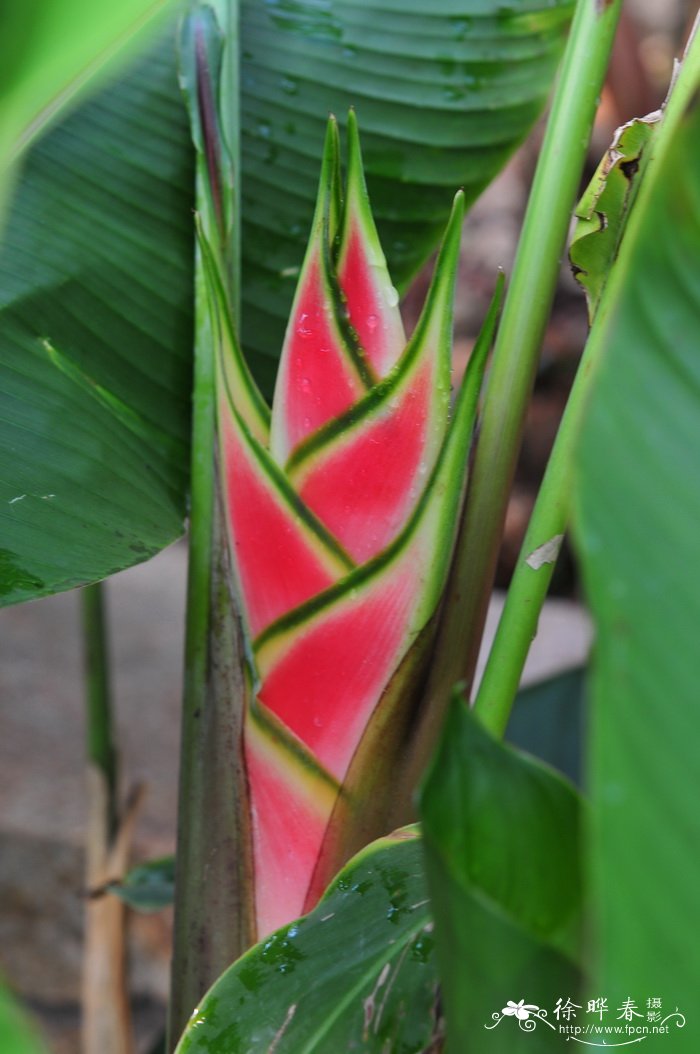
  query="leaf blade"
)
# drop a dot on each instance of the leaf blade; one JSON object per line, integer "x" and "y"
{"x": 352, "y": 1002}
{"x": 638, "y": 545}
{"x": 106, "y": 438}
{"x": 460, "y": 115}
{"x": 501, "y": 834}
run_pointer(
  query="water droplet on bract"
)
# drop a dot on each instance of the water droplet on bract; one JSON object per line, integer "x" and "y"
{"x": 372, "y": 323}
{"x": 392, "y": 296}
{"x": 305, "y": 384}
{"x": 422, "y": 468}
{"x": 304, "y": 328}
{"x": 318, "y": 723}
{"x": 264, "y": 129}
{"x": 307, "y": 422}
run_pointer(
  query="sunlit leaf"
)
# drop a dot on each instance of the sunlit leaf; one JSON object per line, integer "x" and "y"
{"x": 50, "y": 49}
{"x": 17, "y": 1033}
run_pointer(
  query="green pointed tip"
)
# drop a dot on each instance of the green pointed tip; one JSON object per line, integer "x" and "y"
{"x": 357, "y": 196}
{"x": 453, "y": 231}
{"x": 356, "y": 183}
{"x": 331, "y": 143}
{"x": 441, "y": 293}
{"x": 353, "y": 133}
{"x": 328, "y": 203}
{"x": 445, "y": 272}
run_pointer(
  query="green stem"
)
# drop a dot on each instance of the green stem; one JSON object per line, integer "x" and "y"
{"x": 212, "y": 923}
{"x": 184, "y": 986}
{"x": 106, "y": 1018}
{"x": 517, "y": 626}
{"x": 518, "y": 623}
{"x": 520, "y": 334}
{"x": 101, "y": 750}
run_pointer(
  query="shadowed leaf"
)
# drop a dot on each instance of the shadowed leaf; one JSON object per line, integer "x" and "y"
{"x": 501, "y": 835}
{"x": 95, "y": 339}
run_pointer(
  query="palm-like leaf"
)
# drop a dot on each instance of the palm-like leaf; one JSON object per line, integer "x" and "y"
{"x": 95, "y": 338}
{"x": 446, "y": 91}
{"x": 96, "y": 256}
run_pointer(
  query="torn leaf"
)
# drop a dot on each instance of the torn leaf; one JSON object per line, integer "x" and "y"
{"x": 604, "y": 207}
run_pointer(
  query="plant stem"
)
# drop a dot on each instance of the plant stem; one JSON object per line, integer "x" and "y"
{"x": 517, "y": 625}
{"x": 106, "y": 1017}
{"x": 101, "y": 750}
{"x": 212, "y": 911}
{"x": 526, "y": 311}
{"x": 184, "y": 984}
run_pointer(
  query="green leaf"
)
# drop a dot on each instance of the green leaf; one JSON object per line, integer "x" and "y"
{"x": 95, "y": 340}
{"x": 357, "y": 973}
{"x": 147, "y": 887}
{"x": 50, "y": 51}
{"x": 603, "y": 210}
{"x": 97, "y": 257}
{"x": 638, "y": 509}
{"x": 501, "y": 835}
{"x": 444, "y": 93}
{"x": 17, "y": 1034}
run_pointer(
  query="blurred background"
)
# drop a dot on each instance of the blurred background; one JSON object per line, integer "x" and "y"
{"x": 42, "y": 803}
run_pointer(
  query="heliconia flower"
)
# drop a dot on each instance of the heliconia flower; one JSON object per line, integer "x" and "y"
{"x": 342, "y": 508}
